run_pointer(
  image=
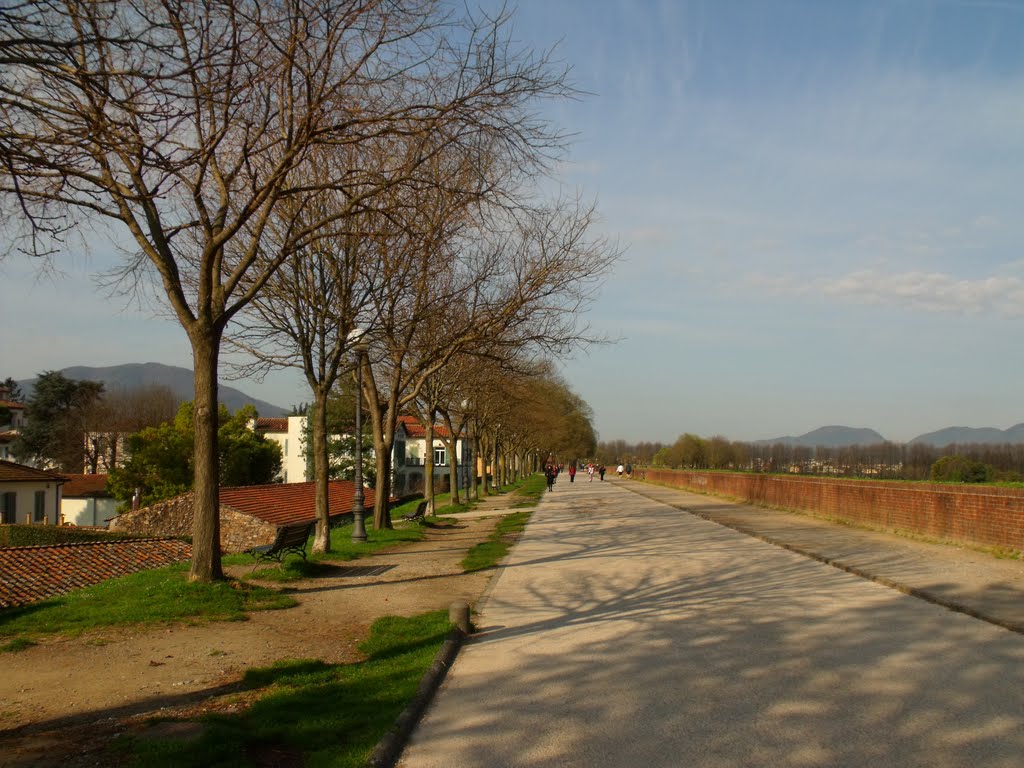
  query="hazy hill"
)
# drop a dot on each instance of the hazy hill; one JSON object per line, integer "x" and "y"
{"x": 178, "y": 380}
{"x": 831, "y": 437}
{"x": 965, "y": 435}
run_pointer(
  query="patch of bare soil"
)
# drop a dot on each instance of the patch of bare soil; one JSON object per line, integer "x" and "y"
{"x": 62, "y": 700}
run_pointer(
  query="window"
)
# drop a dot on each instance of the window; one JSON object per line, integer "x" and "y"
{"x": 400, "y": 454}
{"x": 39, "y": 514}
{"x": 440, "y": 456}
{"x": 9, "y": 507}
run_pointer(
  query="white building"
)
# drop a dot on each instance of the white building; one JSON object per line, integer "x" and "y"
{"x": 289, "y": 432}
{"x": 85, "y": 501}
{"x": 29, "y": 496}
{"x": 408, "y": 464}
{"x": 411, "y": 453}
{"x": 10, "y": 426}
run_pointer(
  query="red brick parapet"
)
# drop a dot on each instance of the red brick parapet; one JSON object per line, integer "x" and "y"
{"x": 980, "y": 515}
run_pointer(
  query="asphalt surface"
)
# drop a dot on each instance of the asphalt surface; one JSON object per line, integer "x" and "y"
{"x": 632, "y": 626}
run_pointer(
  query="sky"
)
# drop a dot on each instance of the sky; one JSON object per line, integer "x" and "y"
{"x": 819, "y": 204}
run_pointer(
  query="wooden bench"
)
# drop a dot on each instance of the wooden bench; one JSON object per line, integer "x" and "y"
{"x": 418, "y": 515}
{"x": 290, "y": 538}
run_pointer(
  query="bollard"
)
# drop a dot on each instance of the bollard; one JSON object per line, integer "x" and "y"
{"x": 458, "y": 614}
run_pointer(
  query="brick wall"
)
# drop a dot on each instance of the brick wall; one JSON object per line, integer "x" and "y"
{"x": 238, "y": 531}
{"x": 979, "y": 515}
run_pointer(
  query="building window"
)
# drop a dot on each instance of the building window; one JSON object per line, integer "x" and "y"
{"x": 440, "y": 456}
{"x": 9, "y": 507}
{"x": 39, "y": 513}
{"x": 400, "y": 454}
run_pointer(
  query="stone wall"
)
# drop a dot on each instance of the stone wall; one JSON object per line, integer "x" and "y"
{"x": 978, "y": 515}
{"x": 238, "y": 531}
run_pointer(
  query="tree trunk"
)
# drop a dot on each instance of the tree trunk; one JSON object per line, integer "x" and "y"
{"x": 382, "y": 492}
{"x": 428, "y": 467}
{"x": 383, "y": 445}
{"x": 206, "y": 565}
{"x": 322, "y": 540}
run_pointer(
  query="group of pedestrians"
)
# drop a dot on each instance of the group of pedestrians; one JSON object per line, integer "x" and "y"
{"x": 552, "y": 470}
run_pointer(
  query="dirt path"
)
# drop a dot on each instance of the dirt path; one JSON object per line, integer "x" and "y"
{"x": 62, "y": 699}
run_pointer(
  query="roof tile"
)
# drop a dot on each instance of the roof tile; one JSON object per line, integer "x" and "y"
{"x": 85, "y": 485}
{"x": 282, "y": 503}
{"x": 30, "y": 574}
{"x": 19, "y": 473}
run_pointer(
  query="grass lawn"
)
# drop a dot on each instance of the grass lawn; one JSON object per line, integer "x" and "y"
{"x": 149, "y": 597}
{"x": 309, "y": 712}
{"x": 313, "y": 714}
{"x": 493, "y": 551}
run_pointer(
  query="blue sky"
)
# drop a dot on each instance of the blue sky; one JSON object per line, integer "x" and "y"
{"x": 820, "y": 202}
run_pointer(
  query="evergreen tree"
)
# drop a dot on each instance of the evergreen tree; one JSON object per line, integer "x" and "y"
{"x": 54, "y": 434}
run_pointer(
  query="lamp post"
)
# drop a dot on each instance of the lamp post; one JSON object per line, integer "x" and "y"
{"x": 358, "y": 507}
{"x": 467, "y": 451}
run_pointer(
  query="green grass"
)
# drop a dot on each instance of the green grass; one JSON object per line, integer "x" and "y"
{"x": 156, "y": 596}
{"x": 342, "y": 549}
{"x": 494, "y": 550}
{"x": 313, "y": 714}
{"x": 532, "y": 489}
{"x": 491, "y": 552}
{"x": 17, "y": 644}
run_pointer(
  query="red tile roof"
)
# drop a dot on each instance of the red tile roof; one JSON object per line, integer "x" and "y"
{"x": 282, "y": 503}
{"x": 414, "y": 428}
{"x": 272, "y": 424}
{"x": 12, "y": 405}
{"x": 19, "y": 473}
{"x": 78, "y": 486}
{"x": 29, "y": 574}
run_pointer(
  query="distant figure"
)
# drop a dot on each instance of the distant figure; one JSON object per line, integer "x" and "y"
{"x": 549, "y": 473}
{"x": 629, "y": 470}
{"x": 601, "y": 470}
{"x": 619, "y": 470}
{"x": 590, "y": 471}
{"x": 572, "y": 472}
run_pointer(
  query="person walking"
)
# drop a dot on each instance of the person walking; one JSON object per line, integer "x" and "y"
{"x": 549, "y": 474}
{"x": 601, "y": 469}
{"x": 590, "y": 471}
{"x": 572, "y": 472}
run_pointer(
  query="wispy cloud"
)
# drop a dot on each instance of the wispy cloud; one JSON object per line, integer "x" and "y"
{"x": 929, "y": 291}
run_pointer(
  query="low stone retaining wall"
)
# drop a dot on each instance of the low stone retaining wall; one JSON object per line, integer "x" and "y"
{"x": 978, "y": 515}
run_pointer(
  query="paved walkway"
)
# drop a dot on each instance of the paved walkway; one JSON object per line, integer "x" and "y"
{"x": 960, "y": 578}
{"x": 622, "y": 632}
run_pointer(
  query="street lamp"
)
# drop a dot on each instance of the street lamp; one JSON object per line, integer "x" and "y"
{"x": 467, "y": 451}
{"x": 358, "y": 508}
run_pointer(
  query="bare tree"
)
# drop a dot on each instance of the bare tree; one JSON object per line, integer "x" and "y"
{"x": 189, "y": 122}
{"x": 119, "y": 413}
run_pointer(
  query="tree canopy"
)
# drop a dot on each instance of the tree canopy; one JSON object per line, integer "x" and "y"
{"x": 160, "y": 463}
{"x": 56, "y": 416}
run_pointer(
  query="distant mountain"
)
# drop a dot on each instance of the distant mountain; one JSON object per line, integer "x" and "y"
{"x": 965, "y": 435}
{"x": 178, "y": 380}
{"x": 831, "y": 437}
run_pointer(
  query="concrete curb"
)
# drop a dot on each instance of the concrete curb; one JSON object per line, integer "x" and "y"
{"x": 389, "y": 748}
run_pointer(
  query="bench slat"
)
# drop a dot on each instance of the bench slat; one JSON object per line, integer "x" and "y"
{"x": 289, "y": 538}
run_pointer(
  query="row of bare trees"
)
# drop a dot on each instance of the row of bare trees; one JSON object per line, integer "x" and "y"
{"x": 304, "y": 178}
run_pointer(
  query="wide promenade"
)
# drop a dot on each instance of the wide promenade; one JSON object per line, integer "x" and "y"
{"x": 627, "y": 631}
